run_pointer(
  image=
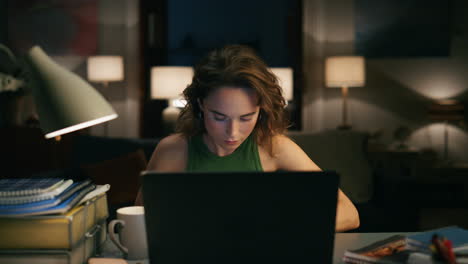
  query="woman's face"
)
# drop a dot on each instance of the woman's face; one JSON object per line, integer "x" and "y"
{"x": 230, "y": 115}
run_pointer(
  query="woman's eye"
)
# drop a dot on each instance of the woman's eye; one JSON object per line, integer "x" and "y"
{"x": 246, "y": 119}
{"x": 219, "y": 118}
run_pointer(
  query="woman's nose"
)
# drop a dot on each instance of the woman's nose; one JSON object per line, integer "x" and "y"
{"x": 232, "y": 128}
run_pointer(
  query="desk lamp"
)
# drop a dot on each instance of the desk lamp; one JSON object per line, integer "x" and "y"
{"x": 168, "y": 82}
{"x": 64, "y": 101}
{"x": 446, "y": 111}
{"x": 344, "y": 72}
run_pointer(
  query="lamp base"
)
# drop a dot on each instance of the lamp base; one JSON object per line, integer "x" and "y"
{"x": 344, "y": 127}
{"x": 170, "y": 115}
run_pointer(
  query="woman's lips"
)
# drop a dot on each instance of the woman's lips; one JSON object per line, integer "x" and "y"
{"x": 231, "y": 142}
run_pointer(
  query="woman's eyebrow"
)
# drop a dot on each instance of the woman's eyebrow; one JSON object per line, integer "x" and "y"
{"x": 249, "y": 114}
{"x": 218, "y": 113}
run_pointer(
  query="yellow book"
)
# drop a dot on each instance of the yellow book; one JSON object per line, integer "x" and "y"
{"x": 53, "y": 231}
{"x": 78, "y": 255}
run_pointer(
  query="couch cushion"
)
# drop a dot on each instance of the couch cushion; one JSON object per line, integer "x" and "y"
{"x": 123, "y": 175}
{"x": 24, "y": 151}
{"x": 92, "y": 149}
{"x": 343, "y": 151}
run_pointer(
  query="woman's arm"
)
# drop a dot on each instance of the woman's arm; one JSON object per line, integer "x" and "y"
{"x": 347, "y": 216}
{"x": 289, "y": 156}
{"x": 170, "y": 155}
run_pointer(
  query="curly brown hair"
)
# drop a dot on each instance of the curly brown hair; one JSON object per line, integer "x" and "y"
{"x": 236, "y": 66}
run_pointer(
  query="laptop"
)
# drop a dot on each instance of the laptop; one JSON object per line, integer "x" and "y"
{"x": 240, "y": 217}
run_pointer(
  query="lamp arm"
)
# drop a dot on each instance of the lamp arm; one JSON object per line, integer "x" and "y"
{"x": 8, "y": 52}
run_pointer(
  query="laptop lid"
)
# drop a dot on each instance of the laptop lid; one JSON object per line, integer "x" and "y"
{"x": 234, "y": 217}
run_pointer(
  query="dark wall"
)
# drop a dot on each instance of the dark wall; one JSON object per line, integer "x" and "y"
{"x": 184, "y": 31}
{"x": 3, "y": 21}
{"x": 153, "y": 52}
{"x": 402, "y": 28}
{"x": 201, "y": 26}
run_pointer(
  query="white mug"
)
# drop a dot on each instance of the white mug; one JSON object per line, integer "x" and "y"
{"x": 132, "y": 233}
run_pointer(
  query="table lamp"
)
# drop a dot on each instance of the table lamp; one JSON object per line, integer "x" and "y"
{"x": 285, "y": 79}
{"x": 105, "y": 69}
{"x": 446, "y": 111}
{"x": 168, "y": 82}
{"x": 64, "y": 101}
{"x": 344, "y": 72}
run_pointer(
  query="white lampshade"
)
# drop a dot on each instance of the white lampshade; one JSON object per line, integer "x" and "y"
{"x": 64, "y": 101}
{"x": 168, "y": 82}
{"x": 344, "y": 71}
{"x": 105, "y": 68}
{"x": 285, "y": 78}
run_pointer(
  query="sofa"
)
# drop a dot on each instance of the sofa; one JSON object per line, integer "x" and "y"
{"x": 343, "y": 151}
{"x": 346, "y": 152}
{"x": 119, "y": 161}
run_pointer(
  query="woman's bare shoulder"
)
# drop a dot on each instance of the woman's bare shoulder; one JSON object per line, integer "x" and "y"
{"x": 270, "y": 160}
{"x": 282, "y": 143}
{"x": 170, "y": 154}
{"x": 290, "y": 156}
{"x": 174, "y": 142}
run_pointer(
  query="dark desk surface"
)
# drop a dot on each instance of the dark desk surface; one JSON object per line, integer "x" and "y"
{"x": 343, "y": 241}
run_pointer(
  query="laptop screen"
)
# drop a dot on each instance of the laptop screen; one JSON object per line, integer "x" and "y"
{"x": 234, "y": 217}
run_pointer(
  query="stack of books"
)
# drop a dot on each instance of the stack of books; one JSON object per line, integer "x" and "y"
{"x": 51, "y": 220}
{"x": 416, "y": 248}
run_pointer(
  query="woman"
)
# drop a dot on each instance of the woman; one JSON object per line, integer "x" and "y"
{"x": 234, "y": 120}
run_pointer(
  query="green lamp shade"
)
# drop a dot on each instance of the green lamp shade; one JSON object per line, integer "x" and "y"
{"x": 64, "y": 101}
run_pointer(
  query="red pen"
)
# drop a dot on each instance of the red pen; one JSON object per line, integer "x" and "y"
{"x": 443, "y": 249}
{"x": 450, "y": 254}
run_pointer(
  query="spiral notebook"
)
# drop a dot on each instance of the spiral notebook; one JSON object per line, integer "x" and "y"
{"x": 64, "y": 205}
{"x": 27, "y": 186}
{"x": 27, "y": 190}
{"x": 11, "y": 208}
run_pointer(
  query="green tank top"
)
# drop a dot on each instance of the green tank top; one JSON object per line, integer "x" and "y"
{"x": 244, "y": 158}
